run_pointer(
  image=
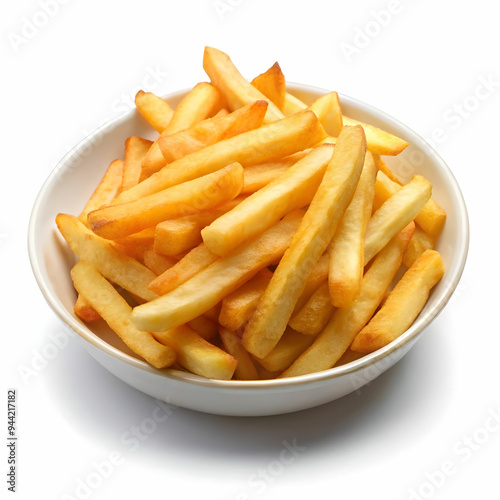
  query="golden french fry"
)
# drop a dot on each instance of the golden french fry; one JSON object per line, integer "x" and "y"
{"x": 317, "y": 229}
{"x": 377, "y": 140}
{"x": 245, "y": 370}
{"x": 347, "y": 253}
{"x": 211, "y": 285}
{"x": 272, "y": 84}
{"x": 419, "y": 243}
{"x": 237, "y": 307}
{"x": 315, "y": 314}
{"x": 193, "y": 262}
{"x": 346, "y": 322}
{"x": 113, "y": 308}
{"x": 237, "y": 91}
{"x": 154, "y": 109}
{"x": 267, "y": 143}
{"x": 105, "y": 191}
{"x": 403, "y": 304}
{"x": 211, "y": 130}
{"x": 114, "y": 265}
{"x": 257, "y": 176}
{"x": 292, "y": 190}
{"x": 431, "y": 217}
{"x": 382, "y": 166}
{"x": 136, "y": 244}
{"x": 190, "y": 197}
{"x": 197, "y": 355}
{"x": 292, "y": 105}
{"x": 329, "y": 112}
{"x": 204, "y": 327}
{"x": 152, "y": 162}
{"x": 85, "y": 311}
{"x": 175, "y": 236}
{"x": 201, "y": 102}
{"x": 135, "y": 150}
{"x": 316, "y": 277}
{"x": 157, "y": 262}
{"x": 395, "y": 214}
{"x": 291, "y": 345}
{"x": 348, "y": 357}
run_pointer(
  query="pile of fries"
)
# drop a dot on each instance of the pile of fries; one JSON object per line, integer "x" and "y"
{"x": 257, "y": 237}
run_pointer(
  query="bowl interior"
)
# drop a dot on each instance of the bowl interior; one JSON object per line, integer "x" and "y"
{"x": 74, "y": 178}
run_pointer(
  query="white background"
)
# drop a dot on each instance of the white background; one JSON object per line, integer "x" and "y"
{"x": 422, "y": 430}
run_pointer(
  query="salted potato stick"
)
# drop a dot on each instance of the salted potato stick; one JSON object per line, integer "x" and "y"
{"x": 204, "y": 327}
{"x": 201, "y": 102}
{"x": 419, "y": 243}
{"x": 114, "y": 265}
{"x": 105, "y": 191}
{"x": 292, "y": 105}
{"x": 328, "y": 110}
{"x": 395, "y": 214}
{"x": 85, "y": 311}
{"x": 193, "y": 262}
{"x": 257, "y": 176}
{"x": 378, "y": 141}
{"x": 346, "y": 322}
{"x": 190, "y": 197}
{"x": 245, "y": 369}
{"x": 211, "y": 285}
{"x": 403, "y": 304}
{"x": 197, "y": 355}
{"x": 272, "y": 84}
{"x": 157, "y": 262}
{"x": 154, "y": 109}
{"x": 291, "y": 345}
{"x": 316, "y": 230}
{"x": 267, "y": 143}
{"x": 211, "y": 130}
{"x": 292, "y": 190}
{"x": 175, "y": 236}
{"x": 237, "y": 307}
{"x": 113, "y": 308}
{"x": 315, "y": 314}
{"x": 237, "y": 90}
{"x": 152, "y": 162}
{"x": 135, "y": 150}
{"x": 347, "y": 254}
{"x": 314, "y": 280}
{"x": 431, "y": 217}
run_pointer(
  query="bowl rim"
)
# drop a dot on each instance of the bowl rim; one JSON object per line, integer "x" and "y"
{"x": 358, "y": 365}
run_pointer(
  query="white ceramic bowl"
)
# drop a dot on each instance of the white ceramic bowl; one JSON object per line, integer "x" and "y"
{"x": 73, "y": 180}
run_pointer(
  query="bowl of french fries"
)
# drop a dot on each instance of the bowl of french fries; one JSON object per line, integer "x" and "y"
{"x": 249, "y": 247}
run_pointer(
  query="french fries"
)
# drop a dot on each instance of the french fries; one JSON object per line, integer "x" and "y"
{"x": 272, "y": 84}
{"x": 258, "y": 236}
{"x": 210, "y": 131}
{"x": 346, "y": 322}
{"x": 317, "y": 229}
{"x": 212, "y": 284}
{"x": 113, "y": 264}
{"x": 198, "y": 355}
{"x": 113, "y": 308}
{"x": 294, "y": 189}
{"x": 347, "y": 254}
{"x": 154, "y": 109}
{"x": 237, "y": 91}
{"x": 267, "y": 143}
{"x": 398, "y": 211}
{"x": 403, "y": 304}
{"x": 188, "y": 198}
